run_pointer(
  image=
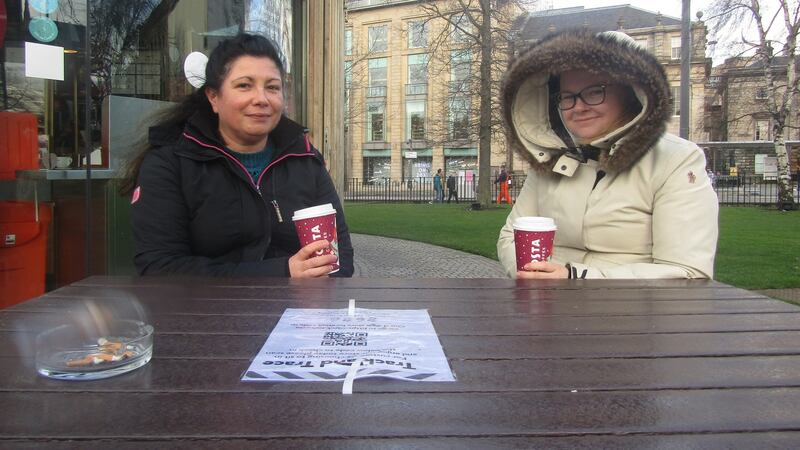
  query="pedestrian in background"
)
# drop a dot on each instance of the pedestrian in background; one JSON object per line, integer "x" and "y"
{"x": 502, "y": 182}
{"x": 438, "y": 189}
{"x": 452, "y": 192}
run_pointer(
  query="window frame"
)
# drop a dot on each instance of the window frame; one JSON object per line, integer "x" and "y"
{"x": 409, "y": 119}
{"x": 676, "y": 101}
{"x": 370, "y": 128}
{"x": 378, "y": 38}
{"x": 348, "y": 42}
{"x": 414, "y": 27}
{"x": 757, "y": 130}
{"x": 675, "y": 51}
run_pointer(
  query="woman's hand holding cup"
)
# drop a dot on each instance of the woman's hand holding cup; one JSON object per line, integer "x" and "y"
{"x": 306, "y": 264}
{"x": 543, "y": 269}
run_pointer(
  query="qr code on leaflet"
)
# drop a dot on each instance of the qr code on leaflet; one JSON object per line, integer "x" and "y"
{"x": 344, "y": 339}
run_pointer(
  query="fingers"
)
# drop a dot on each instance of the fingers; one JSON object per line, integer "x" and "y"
{"x": 306, "y": 264}
{"x": 541, "y": 266}
{"x": 311, "y": 249}
{"x": 543, "y": 269}
{"x": 524, "y": 274}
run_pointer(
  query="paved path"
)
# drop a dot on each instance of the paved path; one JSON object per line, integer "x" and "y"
{"x": 377, "y": 256}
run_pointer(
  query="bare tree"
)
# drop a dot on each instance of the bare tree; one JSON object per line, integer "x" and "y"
{"x": 115, "y": 30}
{"x": 776, "y": 27}
{"x": 474, "y": 46}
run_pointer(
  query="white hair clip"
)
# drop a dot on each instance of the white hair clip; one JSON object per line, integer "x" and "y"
{"x": 194, "y": 67}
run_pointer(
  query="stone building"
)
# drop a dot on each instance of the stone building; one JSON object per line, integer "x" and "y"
{"x": 736, "y": 112}
{"x": 740, "y": 98}
{"x": 409, "y": 108}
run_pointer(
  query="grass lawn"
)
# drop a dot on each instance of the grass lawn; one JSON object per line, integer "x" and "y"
{"x": 758, "y": 248}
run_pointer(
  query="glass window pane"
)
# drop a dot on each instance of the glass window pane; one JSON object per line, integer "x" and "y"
{"x": 377, "y": 169}
{"x": 417, "y": 34}
{"x": 415, "y": 119}
{"x": 378, "y": 38}
{"x": 377, "y": 71}
{"x": 418, "y": 69}
{"x": 375, "y": 122}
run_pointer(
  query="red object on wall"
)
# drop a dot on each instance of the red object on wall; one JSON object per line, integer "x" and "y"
{"x": 23, "y": 250}
{"x": 19, "y": 143}
{"x": 3, "y": 22}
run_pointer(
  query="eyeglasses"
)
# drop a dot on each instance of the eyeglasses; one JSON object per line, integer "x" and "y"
{"x": 590, "y": 95}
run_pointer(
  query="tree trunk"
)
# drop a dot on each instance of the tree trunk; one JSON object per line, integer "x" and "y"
{"x": 785, "y": 191}
{"x": 484, "y": 123}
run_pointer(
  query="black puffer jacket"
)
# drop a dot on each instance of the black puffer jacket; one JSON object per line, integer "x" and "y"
{"x": 196, "y": 210}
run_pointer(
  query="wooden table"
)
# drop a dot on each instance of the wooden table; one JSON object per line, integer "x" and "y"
{"x": 564, "y": 364}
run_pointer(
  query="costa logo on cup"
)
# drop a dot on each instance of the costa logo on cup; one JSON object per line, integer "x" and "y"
{"x": 533, "y": 239}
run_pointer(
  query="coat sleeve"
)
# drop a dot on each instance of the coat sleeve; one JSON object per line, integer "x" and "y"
{"x": 160, "y": 219}
{"x": 524, "y": 206}
{"x": 327, "y": 194}
{"x": 685, "y": 227}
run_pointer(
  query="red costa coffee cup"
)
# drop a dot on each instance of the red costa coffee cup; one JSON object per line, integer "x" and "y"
{"x": 533, "y": 239}
{"x": 317, "y": 223}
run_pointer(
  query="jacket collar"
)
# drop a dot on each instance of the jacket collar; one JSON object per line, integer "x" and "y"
{"x": 204, "y": 126}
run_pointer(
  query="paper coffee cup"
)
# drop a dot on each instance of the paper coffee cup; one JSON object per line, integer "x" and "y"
{"x": 317, "y": 223}
{"x": 533, "y": 239}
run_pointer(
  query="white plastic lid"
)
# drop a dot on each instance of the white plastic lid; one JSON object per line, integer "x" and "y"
{"x": 314, "y": 211}
{"x": 534, "y": 224}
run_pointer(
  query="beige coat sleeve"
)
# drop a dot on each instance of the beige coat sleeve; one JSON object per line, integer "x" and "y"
{"x": 525, "y": 205}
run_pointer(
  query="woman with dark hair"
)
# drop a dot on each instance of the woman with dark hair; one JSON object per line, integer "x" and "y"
{"x": 589, "y": 112}
{"x": 215, "y": 188}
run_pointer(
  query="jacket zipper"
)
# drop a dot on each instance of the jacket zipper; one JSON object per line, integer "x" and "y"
{"x": 256, "y": 184}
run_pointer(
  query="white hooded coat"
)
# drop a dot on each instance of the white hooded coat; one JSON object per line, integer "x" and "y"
{"x": 654, "y": 212}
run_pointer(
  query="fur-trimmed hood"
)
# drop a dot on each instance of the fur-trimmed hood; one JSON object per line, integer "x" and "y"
{"x": 532, "y": 119}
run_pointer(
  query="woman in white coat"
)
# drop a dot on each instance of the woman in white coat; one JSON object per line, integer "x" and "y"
{"x": 589, "y": 112}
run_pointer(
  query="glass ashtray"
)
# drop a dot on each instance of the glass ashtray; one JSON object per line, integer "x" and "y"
{"x": 70, "y": 352}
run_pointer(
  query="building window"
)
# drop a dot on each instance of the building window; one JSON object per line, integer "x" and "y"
{"x": 643, "y": 43}
{"x": 417, "y": 34}
{"x": 676, "y": 100}
{"x": 348, "y": 74}
{"x": 377, "y": 169}
{"x": 415, "y": 119}
{"x": 419, "y": 167}
{"x": 375, "y": 121}
{"x": 418, "y": 69}
{"x": 762, "y": 130}
{"x": 379, "y": 38}
{"x": 460, "y": 28}
{"x": 460, "y": 164}
{"x": 377, "y": 73}
{"x": 676, "y": 47}
{"x": 762, "y": 93}
{"x": 460, "y": 64}
{"x": 459, "y": 118}
{"x": 348, "y": 41}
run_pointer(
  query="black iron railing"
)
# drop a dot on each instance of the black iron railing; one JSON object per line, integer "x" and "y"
{"x": 731, "y": 190}
{"x": 419, "y": 189}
